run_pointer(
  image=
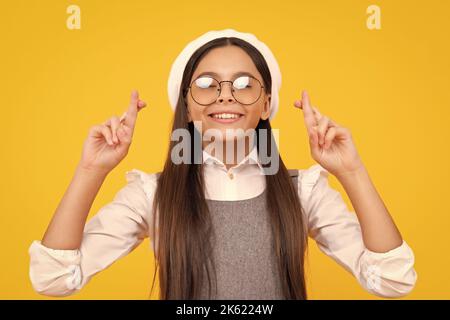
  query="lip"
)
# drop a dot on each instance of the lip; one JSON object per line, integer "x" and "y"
{"x": 232, "y": 120}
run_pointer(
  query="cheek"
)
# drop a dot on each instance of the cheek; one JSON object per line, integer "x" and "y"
{"x": 195, "y": 112}
{"x": 253, "y": 116}
{"x": 251, "y": 120}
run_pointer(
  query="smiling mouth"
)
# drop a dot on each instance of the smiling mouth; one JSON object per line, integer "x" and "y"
{"x": 225, "y": 117}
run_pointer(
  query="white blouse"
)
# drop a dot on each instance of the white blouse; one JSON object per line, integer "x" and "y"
{"x": 121, "y": 225}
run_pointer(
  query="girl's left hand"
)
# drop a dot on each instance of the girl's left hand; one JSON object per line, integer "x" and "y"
{"x": 331, "y": 145}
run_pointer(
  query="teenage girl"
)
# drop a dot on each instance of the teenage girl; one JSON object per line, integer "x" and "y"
{"x": 224, "y": 228}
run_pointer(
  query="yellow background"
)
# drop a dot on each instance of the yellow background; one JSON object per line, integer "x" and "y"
{"x": 389, "y": 86}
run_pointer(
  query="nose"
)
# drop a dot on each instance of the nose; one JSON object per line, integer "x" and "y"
{"x": 225, "y": 93}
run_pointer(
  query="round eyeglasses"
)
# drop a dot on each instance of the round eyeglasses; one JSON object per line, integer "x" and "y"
{"x": 245, "y": 89}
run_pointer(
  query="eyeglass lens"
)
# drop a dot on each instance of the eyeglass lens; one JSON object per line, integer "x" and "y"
{"x": 246, "y": 90}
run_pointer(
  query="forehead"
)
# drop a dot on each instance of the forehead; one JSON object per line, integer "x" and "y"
{"x": 225, "y": 63}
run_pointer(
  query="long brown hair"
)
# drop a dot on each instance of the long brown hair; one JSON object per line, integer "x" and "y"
{"x": 182, "y": 214}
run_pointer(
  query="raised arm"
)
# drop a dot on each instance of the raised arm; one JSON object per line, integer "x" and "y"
{"x": 107, "y": 144}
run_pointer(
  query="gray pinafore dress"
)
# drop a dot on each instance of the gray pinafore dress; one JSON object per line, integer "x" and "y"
{"x": 243, "y": 250}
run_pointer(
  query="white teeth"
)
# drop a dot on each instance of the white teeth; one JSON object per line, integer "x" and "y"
{"x": 226, "y": 115}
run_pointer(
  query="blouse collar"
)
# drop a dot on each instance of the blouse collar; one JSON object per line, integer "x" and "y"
{"x": 250, "y": 159}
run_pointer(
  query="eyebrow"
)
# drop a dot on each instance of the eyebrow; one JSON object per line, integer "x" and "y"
{"x": 239, "y": 73}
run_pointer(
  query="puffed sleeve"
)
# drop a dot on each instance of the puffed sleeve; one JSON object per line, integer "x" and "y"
{"x": 117, "y": 229}
{"x": 337, "y": 233}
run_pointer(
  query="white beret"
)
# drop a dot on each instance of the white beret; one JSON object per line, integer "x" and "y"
{"x": 178, "y": 66}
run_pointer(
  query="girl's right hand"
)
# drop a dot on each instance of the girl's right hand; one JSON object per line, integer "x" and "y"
{"x": 108, "y": 143}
